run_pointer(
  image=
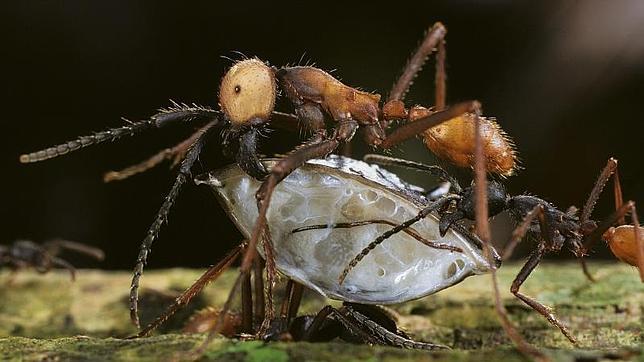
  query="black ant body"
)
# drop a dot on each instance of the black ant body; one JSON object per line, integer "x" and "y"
{"x": 27, "y": 254}
{"x": 554, "y": 228}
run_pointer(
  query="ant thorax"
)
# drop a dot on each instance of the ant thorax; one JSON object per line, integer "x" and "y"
{"x": 340, "y": 190}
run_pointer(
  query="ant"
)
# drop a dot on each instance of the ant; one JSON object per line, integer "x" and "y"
{"x": 24, "y": 253}
{"x": 553, "y": 227}
{"x": 247, "y": 98}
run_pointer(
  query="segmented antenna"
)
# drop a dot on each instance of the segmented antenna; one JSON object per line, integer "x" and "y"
{"x": 165, "y": 116}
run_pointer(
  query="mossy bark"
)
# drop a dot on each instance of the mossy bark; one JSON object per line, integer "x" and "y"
{"x": 49, "y": 317}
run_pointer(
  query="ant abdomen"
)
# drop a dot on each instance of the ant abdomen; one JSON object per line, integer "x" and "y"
{"x": 623, "y": 243}
{"x": 454, "y": 140}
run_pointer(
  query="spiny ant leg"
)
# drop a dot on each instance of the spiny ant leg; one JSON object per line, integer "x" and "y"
{"x": 433, "y": 170}
{"x": 282, "y": 169}
{"x": 178, "y": 112}
{"x": 529, "y": 266}
{"x": 483, "y": 231}
{"x": 441, "y": 74}
{"x": 412, "y": 129}
{"x": 389, "y": 338}
{"x": 608, "y": 170}
{"x": 153, "y": 231}
{"x": 311, "y": 333}
{"x": 271, "y": 274}
{"x": 434, "y": 37}
{"x": 176, "y": 154}
{"x": 382, "y": 237}
{"x": 617, "y": 191}
{"x": 520, "y": 231}
{"x": 409, "y": 231}
{"x": 210, "y": 275}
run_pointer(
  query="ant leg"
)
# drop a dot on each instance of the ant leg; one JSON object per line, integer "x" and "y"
{"x": 182, "y": 300}
{"x": 609, "y": 169}
{"x": 483, "y": 231}
{"x": 153, "y": 231}
{"x": 638, "y": 242}
{"x": 388, "y": 337}
{"x": 312, "y": 333}
{"x": 433, "y": 170}
{"x": 412, "y": 129}
{"x": 271, "y": 274}
{"x": 529, "y": 266}
{"x": 63, "y": 264}
{"x": 54, "y": 247}
{"x": 178, "y": 112}
{"x": 605, "y": 225}
{"x": 409, "y": 231}
{"x": 520, "y": 231}
{"x": 176, "y": 154}
{"x": 258, "y": 285}
{"x": 400, "y": 227}
{"x": 247, "y": 304}
{"x": 586, "y": 270}
{"x": 295, "y": 299}
{"x": 282, "y": 169}
{"x": 435, "y": 36}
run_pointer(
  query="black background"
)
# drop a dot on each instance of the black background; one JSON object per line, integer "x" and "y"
{"x": 564, "y": 78}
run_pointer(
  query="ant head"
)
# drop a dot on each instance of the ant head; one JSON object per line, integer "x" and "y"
{"x": 497, "y": 201}
{"x": 247, "y": 92}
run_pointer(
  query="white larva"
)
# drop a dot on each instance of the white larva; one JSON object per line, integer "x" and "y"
{"x": 340, "y": 189}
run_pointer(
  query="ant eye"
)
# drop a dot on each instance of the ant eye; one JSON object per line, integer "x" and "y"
{"x": 257, "y": 102}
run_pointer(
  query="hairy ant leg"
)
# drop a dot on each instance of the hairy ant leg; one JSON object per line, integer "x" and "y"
{"x": 434, "y": 39}
{"x": 483, "y": 230}
{"x": 153, "y": 231}
{"x": 409, "y": 231}
{"x": 175, "y": 153}
{"x": 403, "y": 226}
{"x": 618, "y": 218}
{"x": 519, "y": 232}
{"x": 182, "y": 300}
{"x": 533, "y": 260}
{"x": 362, "y": 327}
{"x": 433, "y": 170}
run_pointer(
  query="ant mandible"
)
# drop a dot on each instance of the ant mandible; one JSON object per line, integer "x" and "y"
{"x": 247, "y": 98}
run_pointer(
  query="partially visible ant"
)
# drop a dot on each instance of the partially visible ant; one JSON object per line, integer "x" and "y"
{"x": 27, "y": 254}
{"x": 247, "y": 97}
{"x": 554, "y": 228}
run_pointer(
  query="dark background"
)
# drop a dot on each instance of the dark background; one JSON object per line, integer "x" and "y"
{"x": 564, "y": 78}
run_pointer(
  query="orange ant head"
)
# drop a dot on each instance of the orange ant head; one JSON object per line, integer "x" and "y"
{"x": 247, "y": 92}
